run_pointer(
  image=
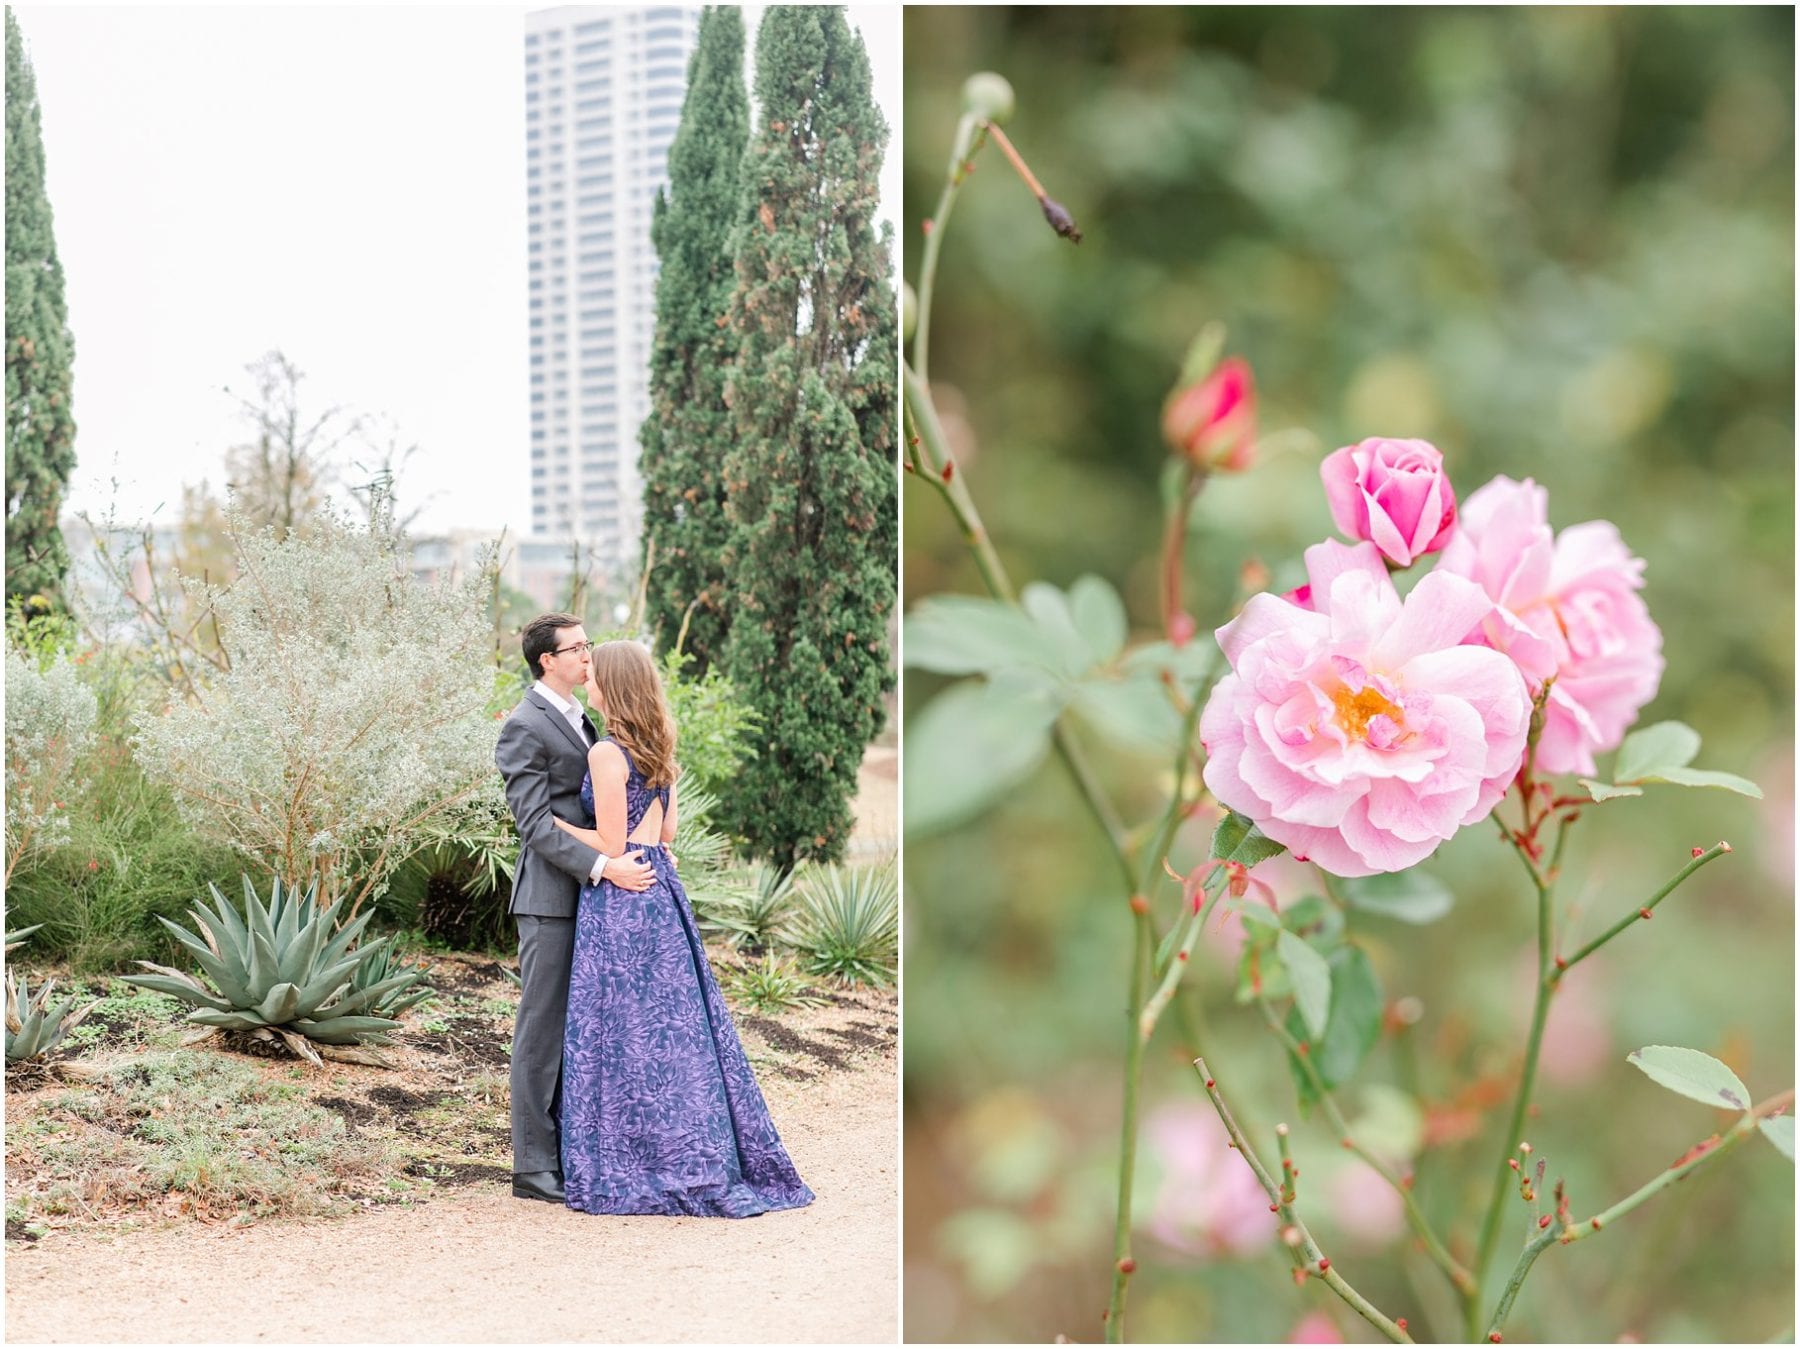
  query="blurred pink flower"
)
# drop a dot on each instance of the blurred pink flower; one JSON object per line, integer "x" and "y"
{"x": 1364, "y": 1206}
{"x": 1578, "y": 1038}
{"x": 1392, "y": 493}
{"x": 1213, "y": 420}
{"x": 1315, "y": 1328}
{"x": 1363, "y": 734}
{"x": 1566, "y": 606}
{"x": 1208, "y": 1201}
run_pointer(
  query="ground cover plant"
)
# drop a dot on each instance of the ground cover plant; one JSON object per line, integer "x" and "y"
{"x": 1459, "y": 668}
{"x": 129, "y": 1127}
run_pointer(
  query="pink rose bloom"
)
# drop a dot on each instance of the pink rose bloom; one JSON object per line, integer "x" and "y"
{"x": 1213, "y": 421}
{"x": 1363, "y": 733}
{"x": 1392, "y": 493}
{"x": 1315, "y": 1328}
{"x": 1208, "y": 1201}
{"x": 1565, "y": 605}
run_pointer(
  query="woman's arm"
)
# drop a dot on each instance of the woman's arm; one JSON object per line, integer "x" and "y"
{"x": 668, "y": 826}
{"x": 607, "y": 768}
{"x": 591, "y": 837}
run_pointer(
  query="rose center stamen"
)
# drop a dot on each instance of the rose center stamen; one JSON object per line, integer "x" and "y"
{"x": 1356, "y": 708}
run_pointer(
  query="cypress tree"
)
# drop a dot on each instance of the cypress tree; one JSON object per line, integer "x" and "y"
{"x": 811, "y": 474}
{"x": 684, "y": 506}
{"x": 40, "y": 422}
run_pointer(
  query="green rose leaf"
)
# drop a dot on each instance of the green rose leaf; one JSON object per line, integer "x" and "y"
{"x": 1189, "y": 663}
{"x": 1312, "y": 981}
{"x": 1319, "y": 922}
{"x": 1409, "y": 896}
{"x": 1352, "y": 1027}
{"x": 1705, "y": 777}
{"x": 1099, "y": 617}
{"x": 970, "y": 745}
{"x": 1668, "y": 744}
{"x": 960, "y": 634}
{"x": 1134, "y": 713}
{"x": 1238, "y": 840}
{"x": 1049, "y": 609}
{"x": 1601, "y": 791}
{"x": 1779, "y": 1130}
{"x": 1260, "y": 973}
{"x": 1693, "y": 1074}
{"x": 1391, "y": 1125}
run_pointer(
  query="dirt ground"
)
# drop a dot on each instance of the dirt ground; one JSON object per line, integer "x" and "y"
{"x": 452, "y": 1257}
{"x": 476, "y": 1265}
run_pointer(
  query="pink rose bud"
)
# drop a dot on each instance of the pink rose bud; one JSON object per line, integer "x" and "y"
{"x": 1392, "y": 493}
{"x": 1213, "y": 420}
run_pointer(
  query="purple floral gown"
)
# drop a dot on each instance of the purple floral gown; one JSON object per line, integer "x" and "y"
{"x": 660, "y": 1112}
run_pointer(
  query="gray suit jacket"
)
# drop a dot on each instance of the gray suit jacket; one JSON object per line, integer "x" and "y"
{"x": 543, "y": 760}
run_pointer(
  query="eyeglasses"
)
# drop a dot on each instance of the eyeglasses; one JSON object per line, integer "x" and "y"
{"x": 578, "y": 646}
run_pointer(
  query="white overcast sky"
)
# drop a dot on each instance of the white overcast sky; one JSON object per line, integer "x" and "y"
{"x": 344, "y": 183}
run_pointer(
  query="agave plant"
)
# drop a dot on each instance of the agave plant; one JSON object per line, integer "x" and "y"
{"x": 752, "y": 911}
{"x": 280, "y": 971}
{"x": 33, "y": 1026}
{"x": 848, "y": 922}
{"x": 382, "y": 967}
{"x": 17, "y": 938}
{"x": 770, "y": 986}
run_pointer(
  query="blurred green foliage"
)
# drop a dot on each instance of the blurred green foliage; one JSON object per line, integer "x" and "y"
{"x": 1558, "y": 243}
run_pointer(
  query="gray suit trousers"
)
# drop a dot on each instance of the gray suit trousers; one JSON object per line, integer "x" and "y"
{"x": 546, "y": 949}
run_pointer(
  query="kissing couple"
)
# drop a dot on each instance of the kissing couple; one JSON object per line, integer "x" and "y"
{"x": 630, "y": 1091}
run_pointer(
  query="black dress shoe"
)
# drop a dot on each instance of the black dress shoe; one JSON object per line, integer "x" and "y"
{"x": 545, "y": 1185}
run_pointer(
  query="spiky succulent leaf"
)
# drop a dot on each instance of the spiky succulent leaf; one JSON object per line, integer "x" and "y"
{"x": 183, "y": 986}
{"x": 236, "y": 1019}
{"x": 223, "y": 972}
{"x": 17, "y": 938}
{"x": 344, "y": 1030}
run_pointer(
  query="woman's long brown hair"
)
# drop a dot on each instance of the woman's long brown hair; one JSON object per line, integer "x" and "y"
{"x": 637, "y": 714}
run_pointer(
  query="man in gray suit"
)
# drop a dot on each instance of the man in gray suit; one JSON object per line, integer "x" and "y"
{"x": 542, "y": 754}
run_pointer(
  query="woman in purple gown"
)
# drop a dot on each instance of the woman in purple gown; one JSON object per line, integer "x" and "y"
{"x": 660, "y": 1112}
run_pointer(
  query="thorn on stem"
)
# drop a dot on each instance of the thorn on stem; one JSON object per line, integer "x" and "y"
{"x": 1209, "y": 1083}
{"x": 1127, "y": 1266}
{"x": 1596, "y": 1224}
{"x": 949, "y": 470}
{"x": 1561, "y": 964}
{"x": 1544, "y": 1222}
{"x": 1493, "y": 1337}
{"x": 1324, "y": 1264}
{"x": 1644, "y": 913}
{"x": 1513, "y": 1162}
{"x": 1139, "y": 904}
{"x": 1401, "y": 1322}
{"x": 926, "y": 224}
{"x": 1698, "y": 851}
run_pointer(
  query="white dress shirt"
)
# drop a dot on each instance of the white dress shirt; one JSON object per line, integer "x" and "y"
{"x": 578, "y": 723}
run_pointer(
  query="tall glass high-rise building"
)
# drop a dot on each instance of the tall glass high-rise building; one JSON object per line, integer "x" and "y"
{"x": 603, "y": 91}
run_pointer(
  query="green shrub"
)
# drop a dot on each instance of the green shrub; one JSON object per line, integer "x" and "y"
{"x": 770, "y": 985}
{"x": 286, "y": 971}
{"x": 128, "y": 856}
{"x": 848, "y": 922}
{"x": 748, "y": 909}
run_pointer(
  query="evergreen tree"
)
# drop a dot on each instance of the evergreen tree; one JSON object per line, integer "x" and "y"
{"x": 810, "y": 472}
{"x": 684, "y": 506}
{"x": 40, "y": 422}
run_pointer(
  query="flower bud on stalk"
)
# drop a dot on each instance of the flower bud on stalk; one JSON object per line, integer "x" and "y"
{"x": 988, "y": 96}
{"x": 1211, "y": 417}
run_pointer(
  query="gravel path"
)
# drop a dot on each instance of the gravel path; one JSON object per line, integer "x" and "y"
{"x": 476, "y": 1265}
